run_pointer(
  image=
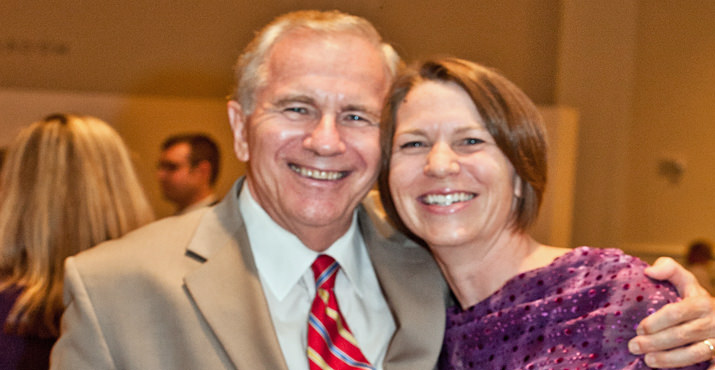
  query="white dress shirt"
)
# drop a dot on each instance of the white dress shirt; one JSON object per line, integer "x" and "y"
{"x": 283, "y": 264}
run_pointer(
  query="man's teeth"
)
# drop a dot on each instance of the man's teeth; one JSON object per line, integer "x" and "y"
{"x": 318, "y": 175}
{"x": 447, "y": 199}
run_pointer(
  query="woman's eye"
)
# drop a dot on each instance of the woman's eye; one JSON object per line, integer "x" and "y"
{"x": 473, "y": 141}
{"x": 412, "y": 144}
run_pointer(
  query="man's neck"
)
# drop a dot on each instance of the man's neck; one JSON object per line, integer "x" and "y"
{"x": 200, "y": 197}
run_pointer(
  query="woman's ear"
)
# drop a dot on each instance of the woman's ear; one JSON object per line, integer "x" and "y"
{"x": 518, "y": 183}
{"x": 239, "y": 128}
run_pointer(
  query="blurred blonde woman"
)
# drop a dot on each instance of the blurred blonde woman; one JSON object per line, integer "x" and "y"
{"x": 67, "y": 184}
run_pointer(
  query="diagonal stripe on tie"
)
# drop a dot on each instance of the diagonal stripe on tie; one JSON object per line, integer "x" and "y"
{"x": 331, "y": 345}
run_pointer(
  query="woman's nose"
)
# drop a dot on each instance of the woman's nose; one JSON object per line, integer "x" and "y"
{"x": 441, "y": 161}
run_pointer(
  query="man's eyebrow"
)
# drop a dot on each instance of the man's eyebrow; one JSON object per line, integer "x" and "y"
{"x": 359, "y": 108}
{"x": 295, "y": 99}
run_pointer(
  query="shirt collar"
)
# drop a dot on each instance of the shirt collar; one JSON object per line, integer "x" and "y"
{"x": 282, "y": 259}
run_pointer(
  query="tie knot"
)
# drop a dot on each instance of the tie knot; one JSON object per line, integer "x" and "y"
{"x": 324, "y": 269}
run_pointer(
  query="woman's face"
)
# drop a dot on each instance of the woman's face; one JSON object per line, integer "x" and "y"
{"x": 451, "y": 184}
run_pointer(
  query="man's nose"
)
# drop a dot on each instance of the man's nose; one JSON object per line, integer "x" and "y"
{"x": 325, "y": 138}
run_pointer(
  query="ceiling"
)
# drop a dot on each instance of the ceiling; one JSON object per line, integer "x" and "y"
{"x": 183, "y": 48}
{"x": 187, "y": 48}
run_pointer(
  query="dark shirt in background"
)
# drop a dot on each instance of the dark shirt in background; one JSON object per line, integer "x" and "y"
{"x": 18, "y": 352}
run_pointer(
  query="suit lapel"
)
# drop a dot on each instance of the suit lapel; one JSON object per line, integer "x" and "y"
{"x": 227, "y": 291}
{"x": 415, "y": 290}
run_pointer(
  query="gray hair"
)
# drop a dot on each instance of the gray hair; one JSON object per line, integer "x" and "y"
{"x": 251, "y": 69}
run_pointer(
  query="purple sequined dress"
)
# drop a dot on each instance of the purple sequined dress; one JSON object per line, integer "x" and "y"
{"x": 576, "y": 313}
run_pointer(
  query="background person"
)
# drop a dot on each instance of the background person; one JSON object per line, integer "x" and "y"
{"x": 698, "y": 261}
{"x": 465, "y": 169}
{"x": 2, "y": 156}
{"x": 187, "y": 171}
{"x": 68, "y": 184}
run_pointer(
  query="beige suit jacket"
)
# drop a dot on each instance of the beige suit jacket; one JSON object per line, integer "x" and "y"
{"x": 184, "y": 293}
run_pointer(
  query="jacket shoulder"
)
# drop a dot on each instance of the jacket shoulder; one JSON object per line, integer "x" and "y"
{"x": 162, "y": 240}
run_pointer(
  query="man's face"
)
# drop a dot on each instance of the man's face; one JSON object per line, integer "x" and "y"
{"x": 313, "y": 136}
{"x": 177, "y": 177}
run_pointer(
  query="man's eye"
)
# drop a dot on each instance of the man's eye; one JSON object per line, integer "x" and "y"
{"x": 353, "y": 119}
{"x": 299, "y": 110}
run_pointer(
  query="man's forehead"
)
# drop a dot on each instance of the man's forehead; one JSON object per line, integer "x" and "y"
{"x": 180, "y": 149}
{"x": 309, "y": 45}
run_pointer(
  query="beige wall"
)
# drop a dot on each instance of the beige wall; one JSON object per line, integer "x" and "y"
{"x": 519, "y": 37}
{"x": 673, "y": 118}
{"x": 595, "y": 77}
{"x": 642, "y": 75}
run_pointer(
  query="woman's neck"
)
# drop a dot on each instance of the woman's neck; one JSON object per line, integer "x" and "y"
{"x": 475, "y": 272}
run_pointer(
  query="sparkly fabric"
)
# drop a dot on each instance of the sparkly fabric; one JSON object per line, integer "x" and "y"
{"x": 576, "y": 313}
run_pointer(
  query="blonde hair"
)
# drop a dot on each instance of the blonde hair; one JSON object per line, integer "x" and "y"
{"x": 67, "y": 184}
{"x": 251, "y": 69}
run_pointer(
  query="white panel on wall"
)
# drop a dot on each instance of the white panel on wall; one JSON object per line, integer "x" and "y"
{"x": 19, "y": 108}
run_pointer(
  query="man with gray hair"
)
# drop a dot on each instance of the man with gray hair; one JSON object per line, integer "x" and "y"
{"x": 253, "y": 282}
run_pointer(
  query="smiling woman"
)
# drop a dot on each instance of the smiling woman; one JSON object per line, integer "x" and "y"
{"x": 465, "y": 171}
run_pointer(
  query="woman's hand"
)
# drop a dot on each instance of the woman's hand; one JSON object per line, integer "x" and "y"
{"x": 676, "y": 335}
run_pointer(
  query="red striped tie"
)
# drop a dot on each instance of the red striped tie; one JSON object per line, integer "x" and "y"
{"x": 331, "y": 345}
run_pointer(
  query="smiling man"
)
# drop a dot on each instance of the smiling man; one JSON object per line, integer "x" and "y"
{"x": 233, "y": 286}
{"x": 289, "y": 260}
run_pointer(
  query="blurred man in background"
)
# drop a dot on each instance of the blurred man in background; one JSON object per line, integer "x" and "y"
{"x": 187, "y": 171}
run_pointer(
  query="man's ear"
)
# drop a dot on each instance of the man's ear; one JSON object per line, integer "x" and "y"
{"x": 239, "y": 128}
{"x": 205, "y": 168}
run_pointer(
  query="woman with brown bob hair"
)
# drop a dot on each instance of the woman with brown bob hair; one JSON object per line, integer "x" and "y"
{"x": 464, "y": 172}
{"x": 67, "y": 184}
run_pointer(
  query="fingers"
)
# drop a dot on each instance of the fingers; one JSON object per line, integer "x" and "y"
{"x": 692, "y": 318}
{"x": 677, "y": 336}
{"x": 665, "y": 268}
{"x": 694, "y": 353}
{"x": 662, "y": 268}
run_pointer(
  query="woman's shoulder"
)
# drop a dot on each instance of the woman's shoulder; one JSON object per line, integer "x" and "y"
{"x": 604, "y": 267}
{"x": 601, "y": 257}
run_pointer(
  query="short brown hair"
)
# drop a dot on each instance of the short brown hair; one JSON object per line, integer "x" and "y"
{"x": 510, "y": 117}
{"x": 203, "y": 148}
